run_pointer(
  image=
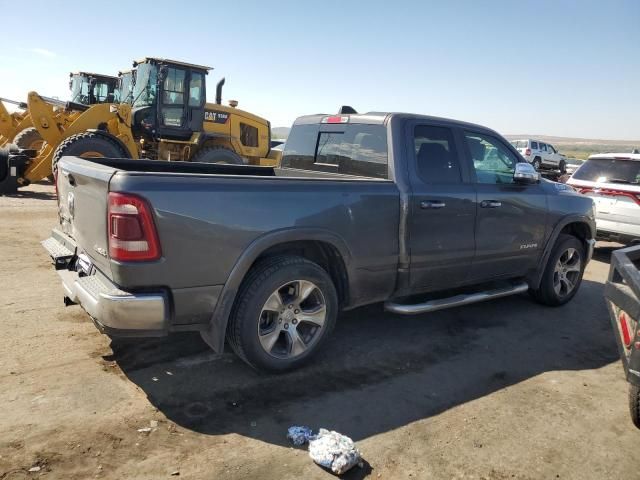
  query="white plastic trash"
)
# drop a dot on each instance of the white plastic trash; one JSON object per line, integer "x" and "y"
{"x": 299, "y": 435}
{"x": 334, "y": 451}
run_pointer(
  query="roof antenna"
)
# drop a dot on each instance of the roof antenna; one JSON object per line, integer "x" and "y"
{"x": 346, "y": 109}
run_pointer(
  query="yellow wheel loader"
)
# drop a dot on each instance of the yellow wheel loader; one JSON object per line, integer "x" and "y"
{"x": 168, "y": 119}
{"x": 86, "y": 89}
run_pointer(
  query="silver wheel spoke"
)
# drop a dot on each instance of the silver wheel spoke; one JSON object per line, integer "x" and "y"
{"x": 297, "y": 345}
{"x": 268, "y": 340}
{"x": 274, "y": 303}
{"x": 304, "y": 290}
{"x": 288, "y": 330}
{"x": 316, "y": 316}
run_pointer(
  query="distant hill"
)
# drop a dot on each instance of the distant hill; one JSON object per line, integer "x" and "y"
{"x": 582, "y": 147}
{"x": 572, "y": 147}
{"x": 280, "y": 133}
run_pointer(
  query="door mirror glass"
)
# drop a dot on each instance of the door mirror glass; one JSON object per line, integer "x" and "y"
{"x": 525, "y": 174}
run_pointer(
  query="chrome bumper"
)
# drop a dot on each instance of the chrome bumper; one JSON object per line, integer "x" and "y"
{"x": 114, "y": 311}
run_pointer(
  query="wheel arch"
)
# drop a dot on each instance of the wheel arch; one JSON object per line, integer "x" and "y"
{"x": 579, "y": 226}
{"x": 318, "y": 245}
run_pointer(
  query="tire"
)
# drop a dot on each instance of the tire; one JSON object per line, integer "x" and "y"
{"x": 89, "y": 145}
{"x": 217, "y": 154}
{"x": 29, "y": 138}
{"x": 547, "y": 293}
{"x": 537, "y": 163}
{"x": 634, "y": 404}
{"x": 562, "y": 167}
{"x": 256, "y": 320}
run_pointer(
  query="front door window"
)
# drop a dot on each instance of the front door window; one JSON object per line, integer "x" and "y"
{"x": 173, "y": 98}
{"x": 492, "y": 160}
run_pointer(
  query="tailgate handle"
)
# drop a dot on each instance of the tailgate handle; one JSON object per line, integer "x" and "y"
{"x": 72, "y": 180}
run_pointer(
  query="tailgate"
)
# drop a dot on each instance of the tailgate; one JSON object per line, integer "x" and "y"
{"x": 83, "y": 188}
{"x": 622, "y": 293}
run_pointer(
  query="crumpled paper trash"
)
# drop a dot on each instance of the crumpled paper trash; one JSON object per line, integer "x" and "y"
{"x": 299, "y": 435}
{"x": 334, "y": 451}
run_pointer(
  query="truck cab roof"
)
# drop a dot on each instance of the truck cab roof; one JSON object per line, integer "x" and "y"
{"x": 380, "y": 118}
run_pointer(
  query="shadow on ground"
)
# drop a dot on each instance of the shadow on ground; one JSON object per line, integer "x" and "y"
{"x": 378, "y": 372}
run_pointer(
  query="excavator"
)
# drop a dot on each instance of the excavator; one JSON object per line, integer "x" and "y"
{"x": 167, "y": 118}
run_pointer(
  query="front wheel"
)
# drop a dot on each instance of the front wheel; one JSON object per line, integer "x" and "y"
{"x": 563, "y": 272}
{"x": 285, "y": 310}
{"x": 88, "y": 145}
{"x": 562, "y": 167}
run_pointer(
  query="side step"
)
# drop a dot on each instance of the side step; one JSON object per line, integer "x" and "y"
{"x": 456, "y": 300}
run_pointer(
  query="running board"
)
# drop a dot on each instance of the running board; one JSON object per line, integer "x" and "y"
{"x": 455, "y": 301}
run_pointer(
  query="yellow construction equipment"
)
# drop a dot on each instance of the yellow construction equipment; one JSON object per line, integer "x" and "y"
{"x": 86, "y": 89}
{"x": 167, "y": 119}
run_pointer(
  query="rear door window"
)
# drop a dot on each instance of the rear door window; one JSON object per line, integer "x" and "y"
{"x": 543, "y": 147}
{"x": 353, "y": 149}
{"x": 436, "y": 156}
{"x": 609, "y": 170}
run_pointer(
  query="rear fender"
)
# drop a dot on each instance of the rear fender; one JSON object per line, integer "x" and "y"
{"x": 214, "y": 333}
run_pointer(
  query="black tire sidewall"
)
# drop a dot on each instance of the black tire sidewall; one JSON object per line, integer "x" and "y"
{"x": 84, "y": 143}
{"x": 634, "y": 404}
{"x": 546, "y": 285}
{"x": 218, "y": 155}
{"x": 563, "y": 167}
{"x": 26, "y": 137}
{"x": 249, "y": 312}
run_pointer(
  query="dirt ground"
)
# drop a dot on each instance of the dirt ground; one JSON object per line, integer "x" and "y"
{"x": 500, "y": 390}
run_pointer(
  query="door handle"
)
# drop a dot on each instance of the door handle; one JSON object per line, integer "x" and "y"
{"x": 490, "y": 204}
{"x": 432, "y": 204}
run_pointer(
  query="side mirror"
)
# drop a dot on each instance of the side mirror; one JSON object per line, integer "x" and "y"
{"x": 525, "y": 174}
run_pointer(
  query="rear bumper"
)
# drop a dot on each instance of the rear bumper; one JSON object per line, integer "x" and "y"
{"x": 617, "y": 231}
{"x": 114, "y": 311}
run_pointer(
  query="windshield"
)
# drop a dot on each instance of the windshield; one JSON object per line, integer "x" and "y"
{"x": 124, "y": 92}
{"x": 144, "y": 91}
{"x": 609, "y": 170}
{"x": 79, "y": 89}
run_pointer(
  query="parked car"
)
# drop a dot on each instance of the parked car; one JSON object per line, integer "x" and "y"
{"x": 541, "y": 155}
{"x": 378, "y": 207}
{"x": 612, "y": 180}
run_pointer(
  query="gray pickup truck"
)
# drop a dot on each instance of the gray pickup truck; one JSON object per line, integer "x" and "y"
{"x": 421, "y": 213}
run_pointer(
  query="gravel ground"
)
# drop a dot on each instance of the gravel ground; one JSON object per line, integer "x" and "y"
{"x": 506, "y": 389}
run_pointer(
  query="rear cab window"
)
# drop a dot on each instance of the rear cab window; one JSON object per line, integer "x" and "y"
{"x": 347, "y": 149}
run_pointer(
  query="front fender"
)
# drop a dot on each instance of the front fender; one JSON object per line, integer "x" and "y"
{"x": 214, "y": 333}
{"x": 553, "y": 237}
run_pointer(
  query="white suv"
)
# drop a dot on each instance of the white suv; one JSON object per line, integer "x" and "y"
{"x": 541, "y": 155}
{"x": 613, "y": 181}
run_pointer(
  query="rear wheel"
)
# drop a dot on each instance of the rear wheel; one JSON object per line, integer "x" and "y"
{"x": 285, "y": 310}
{"x": 29, "y": 138}
{"x": 536, "y": 163}
{"x": 217, "y": 154}
{"x": 563, "y": 273}
{"x": 89, "y": 145}
{"x": 634, "y": 404}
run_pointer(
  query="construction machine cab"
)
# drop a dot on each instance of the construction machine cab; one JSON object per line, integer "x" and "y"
{"x": 124, "y": 92}
{"x": 92, "y": 88}
{"x": 168, "y": 99}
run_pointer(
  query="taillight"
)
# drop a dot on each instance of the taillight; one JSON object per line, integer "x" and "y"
{"x": 527, "y": 151}
{"x": 635, "y": 196}
{"x": 132, "y": 232}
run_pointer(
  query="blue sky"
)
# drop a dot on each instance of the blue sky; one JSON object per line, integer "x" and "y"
{"x": 567, "y": 68}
